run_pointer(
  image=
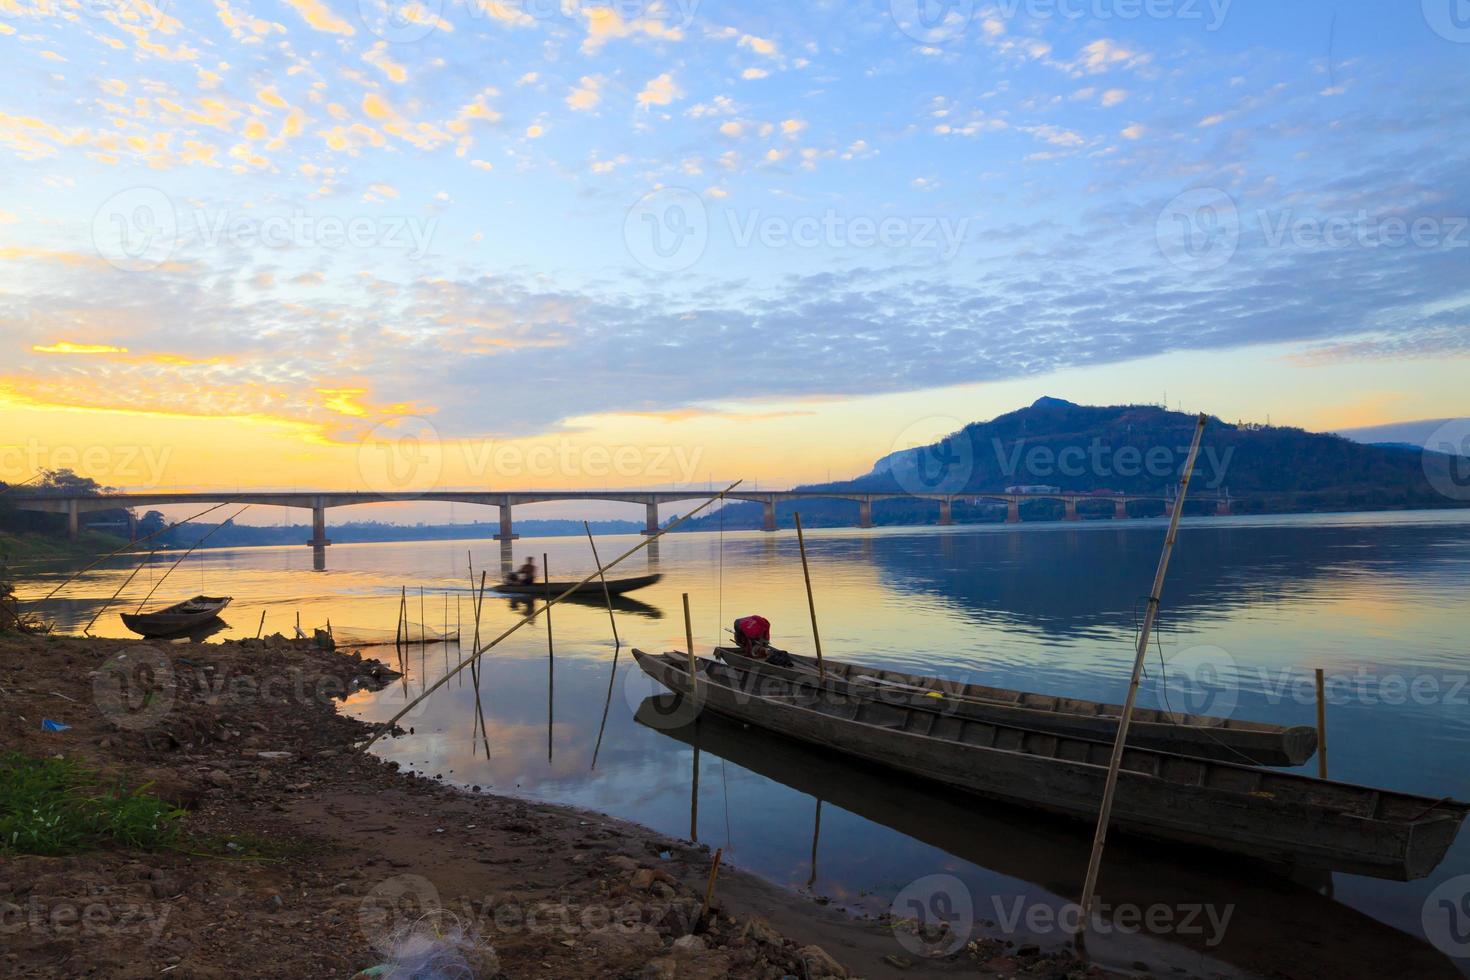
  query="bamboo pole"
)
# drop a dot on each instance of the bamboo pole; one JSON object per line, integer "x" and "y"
{"x": 689, "y": 638}
{"x": 108, "y": 604}
{"x": 186, "y": 554}
{"x": 387, "y": 726}
{"x": 260, "y": 627}
{"x": 1094, "y": 862}
{"x": 811, "y": 603}
{"x": 607, "y": 595}
{"x": 709, "y": 890}
{"x": 1321, "y": 725}
{"x": 550, "y": 657}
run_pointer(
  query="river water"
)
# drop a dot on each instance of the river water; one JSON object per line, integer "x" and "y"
{"x": 1381, "y": 602}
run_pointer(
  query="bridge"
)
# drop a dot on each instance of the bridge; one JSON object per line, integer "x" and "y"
{"x": 74, "y": 506}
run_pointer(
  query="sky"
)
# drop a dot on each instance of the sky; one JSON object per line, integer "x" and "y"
{"x": 380, "y": 245}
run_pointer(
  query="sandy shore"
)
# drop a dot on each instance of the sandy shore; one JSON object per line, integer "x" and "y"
{"x": 301, "y": 856}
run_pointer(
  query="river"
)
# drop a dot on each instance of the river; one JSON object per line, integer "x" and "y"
{"x": 1381, "y": 602}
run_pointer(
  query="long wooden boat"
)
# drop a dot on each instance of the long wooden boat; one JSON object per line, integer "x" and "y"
{"x": 1266, "y": 815}
{"x": 615, "y": 586}
{"x": 181, "y": 617}
{"x": 1274, "y": 907}
{"x": 1206, "y": 736}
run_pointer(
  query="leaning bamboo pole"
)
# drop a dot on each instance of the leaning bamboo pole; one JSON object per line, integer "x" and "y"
{"x": 811, "y": 603}
{"x": 606, "y": 595}
{"x": 186, "y": 554}
{"x": 387, "y": 726}
{"x": 1094, "y": 862}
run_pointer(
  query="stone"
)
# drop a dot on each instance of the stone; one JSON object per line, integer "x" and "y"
{"x": 622, "y": 862}
{"x": 662, "y": 968}
{"x": 689, "y": 945}
{"x": 218, "y": 777}
{"x": 819, "y": 963}
{"x": 762, "y": 931}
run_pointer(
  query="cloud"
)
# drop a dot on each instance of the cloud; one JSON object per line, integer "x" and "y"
{"x": 320, "y": 17}
{"x": 659, "y": 91}
{"x": 587, "y": 94}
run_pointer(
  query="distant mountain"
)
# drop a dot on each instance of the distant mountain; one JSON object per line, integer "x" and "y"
{"x": 1134, "y": 449}
{"x": 1417, "y": 434}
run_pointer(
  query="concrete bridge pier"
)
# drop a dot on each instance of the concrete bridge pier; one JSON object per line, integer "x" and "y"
{"x": 73, "y": 519}
{"x": 506, "y": 534}
{"x": 768, "y": 513}
{"x": 318, "y": 527}
{"x": 650, "y": 519}
{"x": 946, "y": 512}
{"x": 1071, "y": 508}
{"x": 1120, "y": 510}
{"x": 865, "y": 512}
{"x": 1222, "y": 507}
{"x": 132, "y": 526}
{"x": 1013, "y": 511}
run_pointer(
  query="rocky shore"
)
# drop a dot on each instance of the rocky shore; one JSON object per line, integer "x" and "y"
{"x": 300, "y": 856}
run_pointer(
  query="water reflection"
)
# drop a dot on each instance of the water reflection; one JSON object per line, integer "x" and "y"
{"x": 1042, "y": 608}
{"x": 1273, "y": 908}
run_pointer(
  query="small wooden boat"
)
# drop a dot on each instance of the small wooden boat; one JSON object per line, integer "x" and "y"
{"x": 1265, "y": 815}
{"x": 1206, "y": 736}
{"x": 181, "y": 617}
{"x": 615, "y": 586}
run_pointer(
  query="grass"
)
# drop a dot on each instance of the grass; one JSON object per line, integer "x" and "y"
{"x": 35, "y": 546}
{"x": 53, "y": 807}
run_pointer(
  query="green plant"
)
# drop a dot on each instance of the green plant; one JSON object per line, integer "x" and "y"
{"x": 55, "y": 806}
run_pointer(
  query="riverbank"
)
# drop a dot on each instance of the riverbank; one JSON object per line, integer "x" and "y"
{"x": 299, "y": 856}
{"x": 31, "y": 546}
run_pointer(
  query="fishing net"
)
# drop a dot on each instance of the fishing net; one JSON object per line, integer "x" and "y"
{"x": 411, "y": 633}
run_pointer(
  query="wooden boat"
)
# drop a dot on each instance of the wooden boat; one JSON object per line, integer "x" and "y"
{"x": 1265, "y": 815}
{"x": 1274, "y": 906}
{"x": 615, "y": 586}
{"x": 1206, "y": 736}
{"x": 181, "y": 617}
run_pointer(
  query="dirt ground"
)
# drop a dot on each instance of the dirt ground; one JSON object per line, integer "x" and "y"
{"x": 304, "y": 857}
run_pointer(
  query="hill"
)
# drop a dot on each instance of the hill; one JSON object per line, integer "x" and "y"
{"x": 1135, "y": 449}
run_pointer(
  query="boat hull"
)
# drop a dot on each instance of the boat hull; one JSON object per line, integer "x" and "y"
{"x": 1265, "y": 815}
{"x": 592, "y": 588}
{"x": 182, "y": 617}
{"x": 1201, "y": 736}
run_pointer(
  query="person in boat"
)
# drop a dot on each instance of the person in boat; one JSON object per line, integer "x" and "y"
{"x": 526, "y": 574}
